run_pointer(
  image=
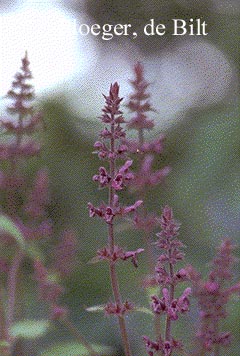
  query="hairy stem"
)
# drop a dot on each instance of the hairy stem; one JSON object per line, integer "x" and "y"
{"x": 140, "y": 137}
{"x": 117, "y": 296}
{"x": 171, "y": 297}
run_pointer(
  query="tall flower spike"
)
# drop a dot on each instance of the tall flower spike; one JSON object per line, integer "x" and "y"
{"x": 114, "y": 178}
{"x": 15, "y": 152}
{"x": 167, "y": 277}
{"x": 26, "y": 204}
{"x": 19, "y": 148}
{"x": 145, "y": 177}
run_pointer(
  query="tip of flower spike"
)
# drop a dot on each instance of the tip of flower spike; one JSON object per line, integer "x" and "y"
{"x": 114, "y": 89}
{"x": 25, "y": 60}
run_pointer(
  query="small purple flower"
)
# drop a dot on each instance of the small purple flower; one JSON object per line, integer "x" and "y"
{"x": 158, "y": 305}
{"x": 105, "y": 254}
{"x": 133, "y": 255}
{"x": 103, "y": 177}
{"x": 123, "y": 176}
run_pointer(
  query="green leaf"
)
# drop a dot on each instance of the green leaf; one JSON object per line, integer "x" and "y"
{"x": 31, "y": 248}
{"x": 76, "y": 349}
{"x": 100, "y": 308}
{"x": 96, "y": 308}
{"x": 30, "y": 329}
{"x": 7, "y": 225}
{"x": 94, "y": 260}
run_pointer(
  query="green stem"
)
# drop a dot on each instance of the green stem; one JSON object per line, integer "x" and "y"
{"x": 11, "y": 289}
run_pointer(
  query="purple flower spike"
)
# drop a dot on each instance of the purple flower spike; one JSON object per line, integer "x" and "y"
{"x": 112, "y": 148}
{"x": 168, "y": 304}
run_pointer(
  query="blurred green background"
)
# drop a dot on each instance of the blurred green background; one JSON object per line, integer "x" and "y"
{"x": 195, "y": 84}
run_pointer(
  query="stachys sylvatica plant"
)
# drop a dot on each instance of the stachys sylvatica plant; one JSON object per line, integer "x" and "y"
{"x": 126, "y": 168}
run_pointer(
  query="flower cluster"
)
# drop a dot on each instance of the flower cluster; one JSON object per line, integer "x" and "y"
{"x": 118, "y": 309}
{"x": 167, "y": 279}
{"x": 118, "y": 182}
{"x": 119, "y": 254}
{"x": 107, "y": 213}
{"x": 165, "y": 347}
{"x": 213, "y": 295}
{"x": 171, "y": 307}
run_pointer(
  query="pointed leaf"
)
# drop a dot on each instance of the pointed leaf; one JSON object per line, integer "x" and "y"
{"x": 143, "y": 310}
{"x": 7, "y": 225}
{"x": 94, "y": 260}
{"x": 96, "y": 308}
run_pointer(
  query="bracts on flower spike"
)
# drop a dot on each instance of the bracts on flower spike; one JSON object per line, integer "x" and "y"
{"x": 115, "y": 178}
